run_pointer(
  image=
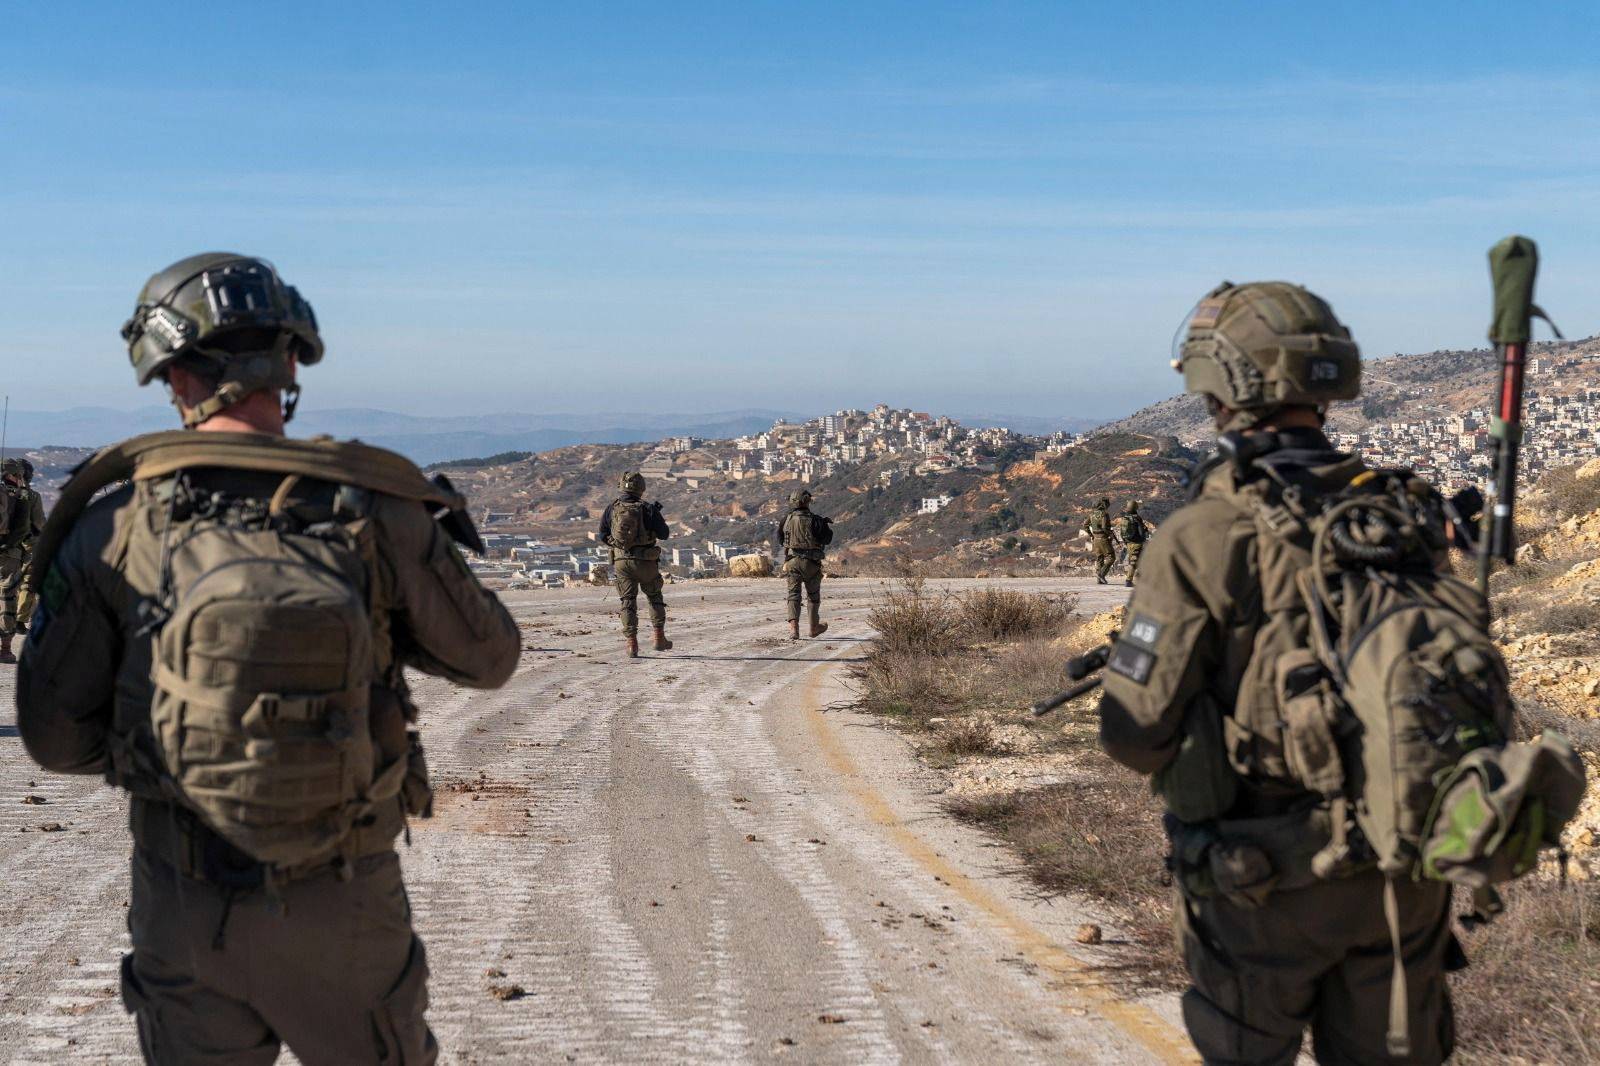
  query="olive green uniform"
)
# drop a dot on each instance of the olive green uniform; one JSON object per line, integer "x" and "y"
{"x": 1098, "y": 526}
{"x": 1133, "y": 531}
{"x": 224, "y": 967}
{"x": 802, "y": 567}
{"x": 16, "y": 548}
{"x": 636, "y": 569}
{"x": 1271, "y": 950}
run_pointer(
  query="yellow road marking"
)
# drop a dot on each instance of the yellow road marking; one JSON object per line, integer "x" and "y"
{"x": 1075, "y": 975}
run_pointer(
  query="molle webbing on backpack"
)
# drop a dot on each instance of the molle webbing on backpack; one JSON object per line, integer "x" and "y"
{"x": 156, "y": 455}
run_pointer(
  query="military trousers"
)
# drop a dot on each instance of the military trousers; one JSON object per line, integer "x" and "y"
{"x": 634, "y": 576}
{"x": 1105, "y": 557}
{"x": 331, "y": 967}
{"x": 803, "y": 574}
{"x": 1135, "y": 549}
{"x": 11, "y": 576}
{"x": 1317, "y": 957}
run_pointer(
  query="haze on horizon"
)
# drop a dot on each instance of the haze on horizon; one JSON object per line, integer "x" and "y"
{"x": 732, "y": 206}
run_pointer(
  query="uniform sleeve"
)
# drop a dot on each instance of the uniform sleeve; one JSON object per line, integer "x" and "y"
{"x": 446, "y": 623}
{"x": 605, "y": 525}
{"x": 1173, "y": 636}
{"x": 67, "y": 675}
{"x": 36, "y": 518}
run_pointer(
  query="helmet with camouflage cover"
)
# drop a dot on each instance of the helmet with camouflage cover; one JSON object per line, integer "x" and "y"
{"x": 1102, "y": 503}
{"x": 632, "y": 482}
{"x": 1132, "y": 507}
{"x": 800, "y": 499}
{"x": 230, "y": 318}
{"x": 1268, "y": 344}
{"x": 16, "y": 470}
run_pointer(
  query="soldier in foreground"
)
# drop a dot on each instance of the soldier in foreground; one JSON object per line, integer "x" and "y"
{"x": 805, "y": 537}
{"x": 631, "y": 528}
{"x": 224, "y": 637}
{"x": 1281, "y": 922}
{"x": 1132, "y": 531}
{"x": 21, "y": 521}
{"x": 1098, "y": 527}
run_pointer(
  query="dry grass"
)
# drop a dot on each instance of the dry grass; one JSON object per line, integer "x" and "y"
{"x": 1569, "y": 494}
{"x": 1532, "y": 993}
{"x": 992, "y": 613}
{"x": 1102, "y": 840}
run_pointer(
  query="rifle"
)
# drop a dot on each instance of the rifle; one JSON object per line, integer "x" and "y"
{"x": 1513, "y": 265}
{"x": 1079, "y": 669}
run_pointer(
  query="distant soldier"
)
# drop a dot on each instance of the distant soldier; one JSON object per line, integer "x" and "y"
{"x": 1098, "y": 527}
{"x": 226, "y": 636}
{"x": 1132, "y": 531}
{"x": 21, "y": 521}
{"x": 805, "y": 537}
{"x": 631, "y": 528}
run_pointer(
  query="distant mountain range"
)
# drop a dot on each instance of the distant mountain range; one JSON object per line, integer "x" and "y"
{"x": 435, "y": 438}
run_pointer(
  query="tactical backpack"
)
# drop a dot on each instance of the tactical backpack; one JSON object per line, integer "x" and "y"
{"x": 628, "y": 526}
{"x": 1130, "y": 527}
{"x": 1395, "y": 707}
{"x": 263, "y": 661}
{"x": 1098, "y": 524}
{"x": 263, "y": 654}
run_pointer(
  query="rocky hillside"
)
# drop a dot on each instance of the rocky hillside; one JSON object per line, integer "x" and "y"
{"x": 1025, "y": 514}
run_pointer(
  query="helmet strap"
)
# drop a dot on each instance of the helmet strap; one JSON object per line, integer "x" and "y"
{"x": 243, "y": 375}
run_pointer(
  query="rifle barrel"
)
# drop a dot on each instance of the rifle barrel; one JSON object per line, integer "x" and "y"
{"x": 1044, "y": 707}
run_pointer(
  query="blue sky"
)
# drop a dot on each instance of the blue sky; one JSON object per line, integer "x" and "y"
{"x": 701, "y": 207}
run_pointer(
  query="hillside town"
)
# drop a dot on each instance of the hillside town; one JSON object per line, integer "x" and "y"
{"x": 1453, "y": 450}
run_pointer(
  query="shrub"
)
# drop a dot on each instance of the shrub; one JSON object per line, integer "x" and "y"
{"x": 1007, "y": 614}
{"x": 911, "y": 621}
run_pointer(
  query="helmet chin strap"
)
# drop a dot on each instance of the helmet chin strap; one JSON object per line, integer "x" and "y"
{"x": 242, "y": 376}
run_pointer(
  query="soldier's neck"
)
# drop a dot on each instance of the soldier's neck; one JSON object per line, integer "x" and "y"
{"x": 260, "y": 412}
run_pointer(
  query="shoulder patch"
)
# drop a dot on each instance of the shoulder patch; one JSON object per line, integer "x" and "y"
{"x": 1130, "y": 662}
{"x": 1143, "y": 631}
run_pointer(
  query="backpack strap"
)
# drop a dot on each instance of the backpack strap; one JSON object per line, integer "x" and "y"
{"x": 156, "y": 455}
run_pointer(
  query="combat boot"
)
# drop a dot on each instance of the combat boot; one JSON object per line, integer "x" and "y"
{"x": 1100, "y": 579}
{"x": 794, "y": 629}
{"x": 1129, "y": 582}
{"x": 5, "y": 650}
{"x": 662, "y": 643}
{"x": 818, "y": 627}
{"x": 633, "y": 645}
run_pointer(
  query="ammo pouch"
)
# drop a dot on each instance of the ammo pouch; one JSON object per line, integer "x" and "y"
{"x": 1246, "y": 860}
{"x": 1199, "y": 784}
{"x": 392, "y": 714}
{"x": 1497, "y": 807}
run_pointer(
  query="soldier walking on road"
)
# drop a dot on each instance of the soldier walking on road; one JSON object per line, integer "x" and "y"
{"x": 1216, "y": 637}
{"x": 21, "y": 521}
{"x": 225, "y": 636}
{"x": 1098, "y": 526}
{"x": 1132, "y": 530}
{"x": 631, "y": 528}
{"x": 805, "y": 538}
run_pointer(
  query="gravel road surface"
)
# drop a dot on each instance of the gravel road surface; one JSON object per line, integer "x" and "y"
{"x": 697, "y": 856}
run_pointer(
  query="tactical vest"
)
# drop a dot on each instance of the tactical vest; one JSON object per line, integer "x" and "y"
{"x": 1131, "y": 528}
{"x": 16, "y": 516}
{"x": 1098, "y": 524}
{"x": 800, "y": 534}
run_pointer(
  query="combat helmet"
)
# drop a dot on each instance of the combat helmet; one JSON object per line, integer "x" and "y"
{"x": 1102, "y": 503}
{"x": 1132, "y": 507}
{"x": 234, "y": 317}
{"x": 631, "y": 482}
{"x": 1257, "y": 347}
{"x": 800, "y": 499}
{"x": 17, "y": 469}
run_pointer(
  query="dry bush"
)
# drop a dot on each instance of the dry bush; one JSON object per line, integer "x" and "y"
{"x": 1102, "y": 840}
{"x": 913, "y": 621}
{"x": 1534, "y": 717}
{"x": 1006, "y": 614}
{"x": 1571, "y": 616}
{"x": 971, "y": 734}
{"x": 907, "y": 685}
{"x": 1532, "y": 993}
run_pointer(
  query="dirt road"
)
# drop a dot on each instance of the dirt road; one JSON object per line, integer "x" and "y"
{"x": 698, "y": 856}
